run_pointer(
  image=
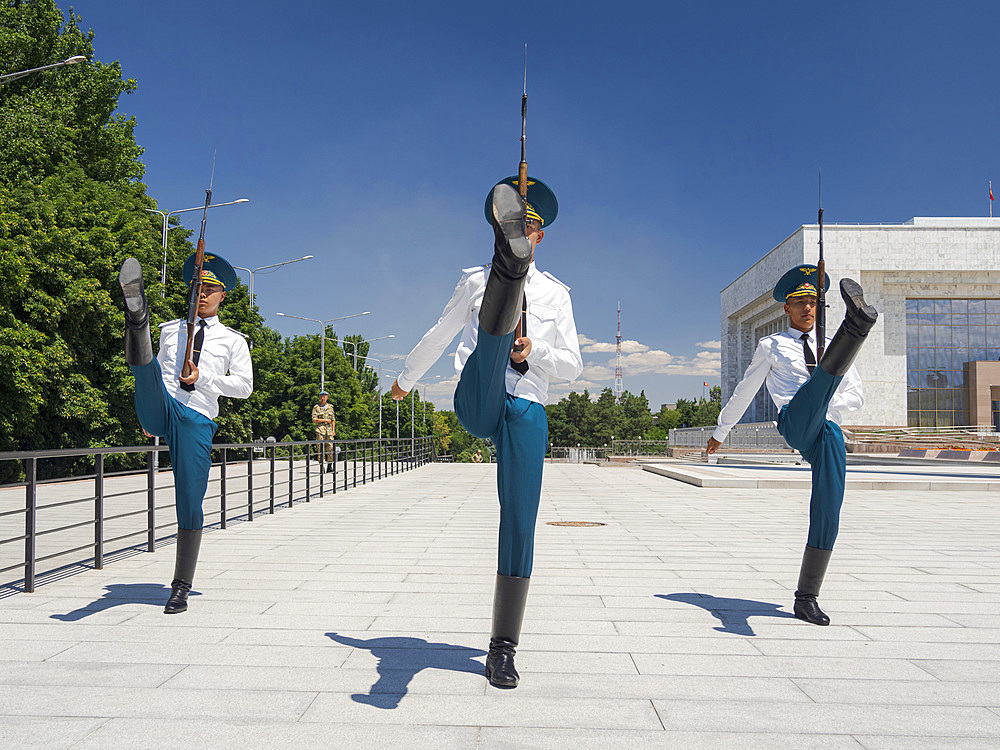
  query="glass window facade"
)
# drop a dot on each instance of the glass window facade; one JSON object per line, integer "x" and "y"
{"x": 942, "y": 337}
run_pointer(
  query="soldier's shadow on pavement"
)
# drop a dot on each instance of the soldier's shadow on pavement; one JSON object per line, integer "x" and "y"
{"x": 734, "y": 614}
{"x": 401, "y": 658}
{"x": 154, "y": 594}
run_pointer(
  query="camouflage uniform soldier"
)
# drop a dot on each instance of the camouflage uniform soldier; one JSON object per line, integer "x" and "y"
{"x": 326, "y": 426}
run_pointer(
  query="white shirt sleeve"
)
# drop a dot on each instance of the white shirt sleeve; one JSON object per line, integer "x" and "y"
{"x": 561, "y": 360}
{"x": 849, "y": 396}
{"x": 747, "y": 388}
{"x": 432, "y": 345}
{"x": 238, "y": 382}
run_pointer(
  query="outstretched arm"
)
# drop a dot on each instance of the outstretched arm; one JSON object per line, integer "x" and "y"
{"x": 737, "y": 405}
{"x": 433, "y": 343}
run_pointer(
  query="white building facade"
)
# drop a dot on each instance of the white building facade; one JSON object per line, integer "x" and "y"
{"x": 932, "y": 359}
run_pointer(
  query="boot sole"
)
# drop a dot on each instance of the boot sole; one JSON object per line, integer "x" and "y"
{"x": 854, "y": 298}
{"x": 508, "y": 213}
{"x": 130, "y": 280}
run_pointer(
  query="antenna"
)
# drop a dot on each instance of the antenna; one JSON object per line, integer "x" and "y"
{"x": 619, "y": 389}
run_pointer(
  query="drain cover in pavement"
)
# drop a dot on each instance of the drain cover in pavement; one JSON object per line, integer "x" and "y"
{"x": 574, "y": 523}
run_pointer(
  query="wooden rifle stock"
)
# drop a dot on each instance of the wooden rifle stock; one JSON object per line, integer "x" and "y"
{"x": 194, "y": 296}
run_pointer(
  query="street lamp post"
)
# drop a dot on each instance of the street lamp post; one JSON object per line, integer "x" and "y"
{"x": 367, "y": 341}
{"x": 322, "y": 339}
{"x": 424, "y": 401}
{"x": 166, "y": 228}
{"x": 252, "y": 271}
{"x": 22, "y": 73}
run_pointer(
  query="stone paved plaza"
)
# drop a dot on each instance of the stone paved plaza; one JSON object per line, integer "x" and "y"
{"x": 360, "y": 621}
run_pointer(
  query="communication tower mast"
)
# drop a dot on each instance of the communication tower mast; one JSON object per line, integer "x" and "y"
{"x": 618, "y": 359}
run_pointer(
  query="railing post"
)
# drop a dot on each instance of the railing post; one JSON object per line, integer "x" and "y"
{"x": 30, "y": 504}
{"x": 250, "y": 483}
{"x": 291, "y": 473}
{"x": 345, "y": 470}
{"x": 222, "y": 489}
{"x": 364, "y": 462}
{"x": 334, "y": 464}
{"x": 151, "y": 502}
{"x": 308, "y": 470}
{"x": 354, "y": 473}
{"x": 321, "y": 450}
{"x": 99, "y": 511}
{"x": 274, "y": 450}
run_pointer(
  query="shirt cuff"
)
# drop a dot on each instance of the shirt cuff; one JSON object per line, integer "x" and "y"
{"x": 721, "y": 433}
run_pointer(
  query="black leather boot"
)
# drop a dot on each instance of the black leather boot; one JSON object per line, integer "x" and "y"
{"x": 814, "y": 563}
{"x": 858, "y": 321}
{"x": 509, "y": 599}
{"x": 138, "y": 346}
{"x": 501, "y": 308}
{"x": 188, "y": 544}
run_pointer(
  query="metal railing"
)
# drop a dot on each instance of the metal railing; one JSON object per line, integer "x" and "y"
{"x": 639, "y": 447}
{"x": 577, "y": 454}
{"x": 754, "y": 436}
{"x": 81, "y": 521}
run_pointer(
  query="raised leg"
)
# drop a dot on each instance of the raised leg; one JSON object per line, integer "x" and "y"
{"x": 481, "y": 395}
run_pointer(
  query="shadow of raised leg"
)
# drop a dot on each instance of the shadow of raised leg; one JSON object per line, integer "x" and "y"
{"x": 400, "y": 659}
{"x": 153, "y": 594}
{"x": 734, "y": 614}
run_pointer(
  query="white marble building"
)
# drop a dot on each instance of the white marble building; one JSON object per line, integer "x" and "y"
{"x": 924, "y": 259}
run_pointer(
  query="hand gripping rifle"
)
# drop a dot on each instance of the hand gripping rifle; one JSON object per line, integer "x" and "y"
{"x": 820, "y": 285}
{"x": 194, "y": 296}
{"x": 522, "y": 177}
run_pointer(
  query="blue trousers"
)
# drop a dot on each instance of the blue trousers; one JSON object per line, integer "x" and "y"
{"x": 520, "y": 431}
{"x": 804, "y": 425}
{"x": 189, "y": 435}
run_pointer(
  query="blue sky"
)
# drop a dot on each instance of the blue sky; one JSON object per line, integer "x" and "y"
{"x": 682, "y": 139}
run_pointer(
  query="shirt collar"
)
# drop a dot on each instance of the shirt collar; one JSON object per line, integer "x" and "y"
{"x": 209, "y": 322}
{"x": 531, "y": 269}
{"x": 795, "y": 333}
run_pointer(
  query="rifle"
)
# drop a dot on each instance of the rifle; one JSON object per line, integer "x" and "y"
{"x": 820, "y": 284}
{"x": 194, "y": 297}
{"x": 522, "y": 178}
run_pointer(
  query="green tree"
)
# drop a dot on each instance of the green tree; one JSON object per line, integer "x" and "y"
{"x": 71, "y": 210}
{"x": 63, "y": 118}
{"x": 636, "y": 419}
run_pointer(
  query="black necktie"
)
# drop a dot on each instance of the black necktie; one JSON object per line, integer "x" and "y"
{"x": 807, "y": 350}
{"x": 199, "y": 339}
{"x": 522, "y": 367}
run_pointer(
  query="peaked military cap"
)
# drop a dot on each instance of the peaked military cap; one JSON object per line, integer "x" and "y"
{"x": 542, "y": 203}
{"x": 799, "y": 282}
{"x": 215, "y": 271}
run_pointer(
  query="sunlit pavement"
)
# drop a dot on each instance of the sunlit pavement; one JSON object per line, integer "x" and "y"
{"x": 360, "y": 620}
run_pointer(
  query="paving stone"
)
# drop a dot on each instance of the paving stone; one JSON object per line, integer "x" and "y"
{"x": 365, "y": 617}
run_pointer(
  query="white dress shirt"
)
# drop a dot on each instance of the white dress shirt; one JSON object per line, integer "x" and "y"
{"x": 555, "y": 348}
{"x": 224, "y": 367}
{"x": 780, "y": 363}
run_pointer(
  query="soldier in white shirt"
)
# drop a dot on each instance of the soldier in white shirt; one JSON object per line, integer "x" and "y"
{"x": 180, "y": 408}
{"x": 813, "y": 399}
{"x": 517, "y": 332}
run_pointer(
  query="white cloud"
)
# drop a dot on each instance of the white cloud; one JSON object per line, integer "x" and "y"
{"x": 638, "y": 358}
